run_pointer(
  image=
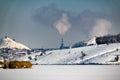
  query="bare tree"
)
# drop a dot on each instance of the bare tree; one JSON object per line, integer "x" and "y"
{"x": 82, "y": 55}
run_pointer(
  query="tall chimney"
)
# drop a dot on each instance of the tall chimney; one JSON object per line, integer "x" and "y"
{"x": 62, "y": 44}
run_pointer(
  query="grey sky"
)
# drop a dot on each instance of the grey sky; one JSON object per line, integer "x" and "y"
{"x": 32, "y": 22}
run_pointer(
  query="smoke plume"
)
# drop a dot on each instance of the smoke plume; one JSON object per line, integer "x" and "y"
{"x": 63, "y": 24}
{"x": 101, "y": 28}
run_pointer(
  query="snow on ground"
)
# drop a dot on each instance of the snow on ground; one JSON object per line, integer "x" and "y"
{"x": 63, "y": 72}
{"x": 91, "y": 41}
{"x": 102, "y": 54}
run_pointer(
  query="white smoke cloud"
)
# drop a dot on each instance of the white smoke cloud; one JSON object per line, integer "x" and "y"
{"x": 101, "y": 28}
{"x": 63, "y": 24}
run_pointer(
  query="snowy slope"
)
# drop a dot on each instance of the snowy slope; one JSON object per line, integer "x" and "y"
{"x": 91, "y": 41}
{"x": 10, "y": 43}
{"x": 102, "y": 54}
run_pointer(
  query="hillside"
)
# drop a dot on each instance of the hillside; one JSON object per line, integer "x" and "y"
{"x": 7, "y": 42}
{"x": 96, "y": 54}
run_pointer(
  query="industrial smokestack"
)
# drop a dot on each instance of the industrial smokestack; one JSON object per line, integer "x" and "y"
{"x": 62, "y": 44}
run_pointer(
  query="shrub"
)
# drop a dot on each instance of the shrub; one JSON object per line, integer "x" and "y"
{"x": 17, "y": 64}
{"x": 14, "y": 64}
{"x": 6, "y": 65}
{"x": 25, "y": 64}
{"x": 1, "y": 64}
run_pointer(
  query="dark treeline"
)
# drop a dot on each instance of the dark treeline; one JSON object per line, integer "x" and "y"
{"x": 79, "y": 44}
{"x": 108, "y": 39}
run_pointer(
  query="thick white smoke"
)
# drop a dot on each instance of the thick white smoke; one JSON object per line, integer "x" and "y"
{"x": 101, "y": 28}
{"x": 63, "y": 24}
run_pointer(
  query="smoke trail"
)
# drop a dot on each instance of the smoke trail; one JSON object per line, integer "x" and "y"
{"x": 63, "y": 24}
{"x": 101, "y": 28}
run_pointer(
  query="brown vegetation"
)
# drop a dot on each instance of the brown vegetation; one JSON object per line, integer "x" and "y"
{"x": 25, "y": 64}
{"x": 6, "y": 65}
{"x": 1, "y": 64}
{"x": 117, "y": 63}
{"x": 17, "y": 64}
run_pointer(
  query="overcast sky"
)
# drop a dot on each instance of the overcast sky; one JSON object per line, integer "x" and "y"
{"x": 42, "y": 23}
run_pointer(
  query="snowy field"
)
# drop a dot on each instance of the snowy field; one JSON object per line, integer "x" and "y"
{"x": 101, "y": 54}
{"x": 63, "y": 72}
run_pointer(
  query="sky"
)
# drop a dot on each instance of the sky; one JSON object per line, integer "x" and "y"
{"x": 42, "y": 23}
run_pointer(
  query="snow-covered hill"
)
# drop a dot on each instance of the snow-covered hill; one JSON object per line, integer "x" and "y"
{"x": 10, "y": 43}
{"x": 96, "y": 54}
{"x": 91, "y": 41}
